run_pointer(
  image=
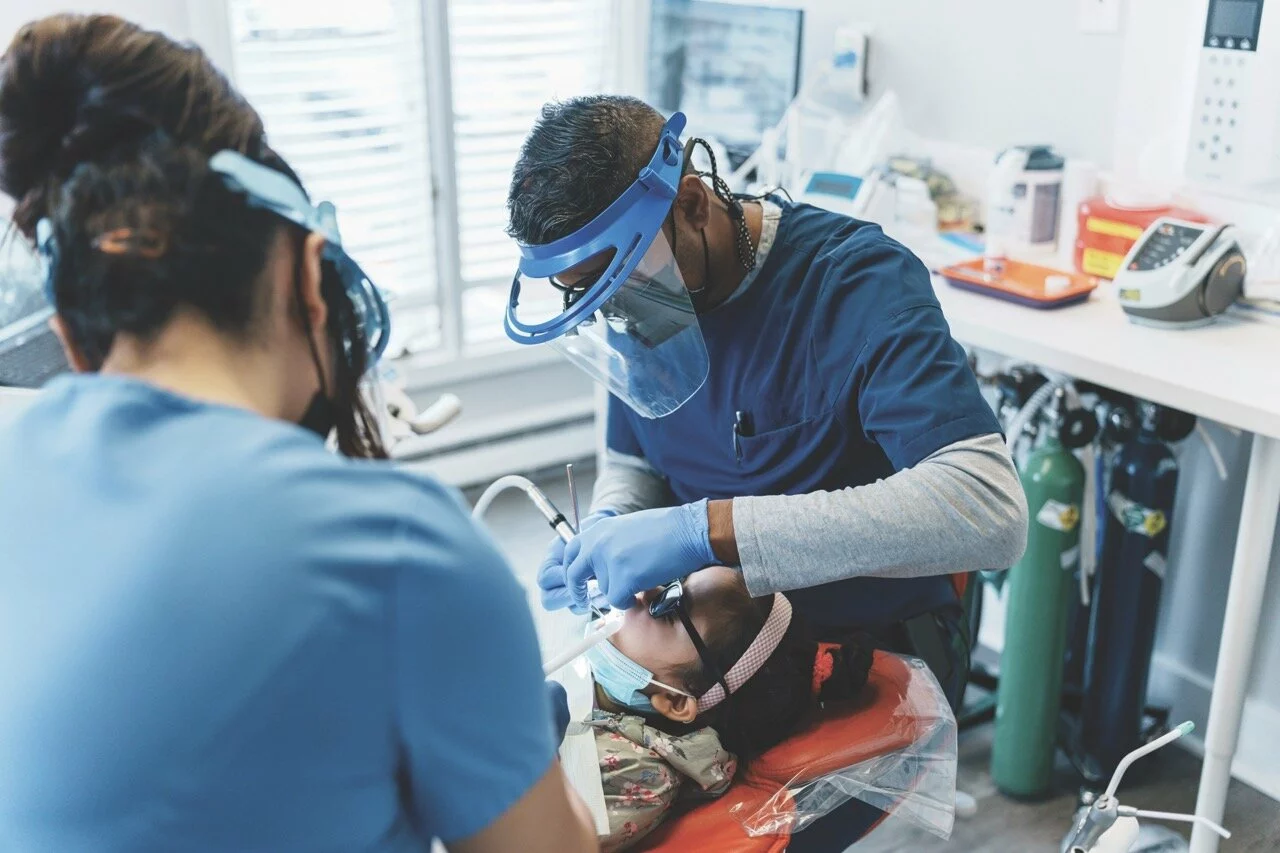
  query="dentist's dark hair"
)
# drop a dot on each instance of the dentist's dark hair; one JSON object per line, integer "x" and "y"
{"x": 580, "y": 156}
{"x": 106, "y": 128}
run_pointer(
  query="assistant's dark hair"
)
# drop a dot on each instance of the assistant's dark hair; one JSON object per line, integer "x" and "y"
{"x": 106, "y": 129}
{"x": 580, "y": 156}
{"x": 775, "y": 702}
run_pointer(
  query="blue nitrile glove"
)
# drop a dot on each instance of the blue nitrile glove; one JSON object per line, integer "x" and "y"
{"x": 559, "y": 700}
{"x": 551, "y": 573}
{"x": 635, "y": 552}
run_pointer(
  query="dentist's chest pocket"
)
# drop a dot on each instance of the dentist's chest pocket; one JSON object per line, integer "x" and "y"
{"x": 790, "y": 458}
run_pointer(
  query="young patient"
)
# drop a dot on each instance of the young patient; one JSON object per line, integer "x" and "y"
{"x": 666, "y": 732}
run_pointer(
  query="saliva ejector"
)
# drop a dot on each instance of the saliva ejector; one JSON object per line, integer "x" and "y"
{"x": 1106, "y": 826}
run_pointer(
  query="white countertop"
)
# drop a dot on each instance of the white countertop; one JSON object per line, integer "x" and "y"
{"x": 1228, "y": 372}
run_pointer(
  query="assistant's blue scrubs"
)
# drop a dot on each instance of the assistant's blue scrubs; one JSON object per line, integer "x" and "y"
{"x": 844, "y": 371}
{"x": 217, "y": 636}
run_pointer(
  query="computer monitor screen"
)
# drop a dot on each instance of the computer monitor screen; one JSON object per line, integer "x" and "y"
{"x": 731, "y": 68}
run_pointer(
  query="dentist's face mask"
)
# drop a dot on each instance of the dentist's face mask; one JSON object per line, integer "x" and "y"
{"x": 622, "y": 679}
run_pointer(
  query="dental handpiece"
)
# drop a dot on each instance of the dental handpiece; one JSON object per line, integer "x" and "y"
{"x": 566, "y": 532}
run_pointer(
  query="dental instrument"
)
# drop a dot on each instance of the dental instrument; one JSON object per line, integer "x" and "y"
{"x": 554, "y": 518}
{"x": 573, "y": 496}
{"x": 1106, "y": 826}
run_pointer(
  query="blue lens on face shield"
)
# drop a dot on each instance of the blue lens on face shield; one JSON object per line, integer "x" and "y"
{"x": 622, "y": 679}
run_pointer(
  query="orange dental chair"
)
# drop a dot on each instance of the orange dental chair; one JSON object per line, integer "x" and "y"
{"x": 872, "y": 728}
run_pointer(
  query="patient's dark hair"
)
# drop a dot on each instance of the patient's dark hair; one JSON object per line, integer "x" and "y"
{"x": 107, "y": 126}
{"x": 580, "y": 156}
{"x": 779, "y": 698}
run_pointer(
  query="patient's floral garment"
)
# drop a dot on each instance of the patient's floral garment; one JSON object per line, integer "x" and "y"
{"x": 645, "y": 772}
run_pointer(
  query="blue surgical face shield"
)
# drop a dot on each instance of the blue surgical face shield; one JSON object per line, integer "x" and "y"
{"x": 633, "y": 327}
{"x": 266, "y": 188}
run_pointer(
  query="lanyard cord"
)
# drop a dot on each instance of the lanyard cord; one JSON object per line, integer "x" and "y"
{"x": 745, "y": 246}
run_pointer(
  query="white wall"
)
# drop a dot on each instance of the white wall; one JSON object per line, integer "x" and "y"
{"x": 987, "y": 73}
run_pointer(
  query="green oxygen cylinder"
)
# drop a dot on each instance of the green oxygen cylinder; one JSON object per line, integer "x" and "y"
{"x": 1038, "y": 595}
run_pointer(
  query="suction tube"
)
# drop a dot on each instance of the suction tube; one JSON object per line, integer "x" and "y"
{"x": 553, "y": 516}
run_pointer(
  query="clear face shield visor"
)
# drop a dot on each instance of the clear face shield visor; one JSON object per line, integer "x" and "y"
{"x": 611, "y": 298}
{"x": 642, "y": 343}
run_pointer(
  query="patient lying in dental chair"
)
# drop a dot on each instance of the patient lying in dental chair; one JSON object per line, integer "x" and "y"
{"x": 700, "y": 679}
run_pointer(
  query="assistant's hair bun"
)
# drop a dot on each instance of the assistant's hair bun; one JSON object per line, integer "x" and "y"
{"x": 42, "y": 89}
{"x": 93, "y": 88}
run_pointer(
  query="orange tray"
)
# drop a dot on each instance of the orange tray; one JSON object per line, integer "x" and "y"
{"x": 1020, "y": 283}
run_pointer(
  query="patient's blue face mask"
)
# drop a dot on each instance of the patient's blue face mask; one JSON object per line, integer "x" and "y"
{"x": 622, "y": 679}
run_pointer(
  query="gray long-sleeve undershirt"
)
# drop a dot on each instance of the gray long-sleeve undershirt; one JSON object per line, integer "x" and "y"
{"x": 961, "y": 509}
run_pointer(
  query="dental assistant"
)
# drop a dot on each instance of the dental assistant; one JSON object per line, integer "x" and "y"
{"x": 216, "y": 635}
{"x": 786, "y": 397}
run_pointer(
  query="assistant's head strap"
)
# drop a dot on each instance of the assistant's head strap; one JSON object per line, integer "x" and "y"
{"x": 760, "y": 650}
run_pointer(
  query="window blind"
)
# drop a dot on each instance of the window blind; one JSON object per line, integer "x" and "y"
{"x": 341, "y": 88}
{"x": 509, "y": 57}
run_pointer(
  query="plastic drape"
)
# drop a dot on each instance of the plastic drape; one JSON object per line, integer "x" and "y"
{"x": 895, "y": 750}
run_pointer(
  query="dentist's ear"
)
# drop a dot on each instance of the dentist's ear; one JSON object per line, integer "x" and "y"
{"x": 673, "y": 706}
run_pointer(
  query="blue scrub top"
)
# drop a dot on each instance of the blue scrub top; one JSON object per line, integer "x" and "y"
{"x": 844, "y": 367}
{"x": 217, "y": 636}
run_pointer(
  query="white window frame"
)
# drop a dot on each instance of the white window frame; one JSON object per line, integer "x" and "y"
{"x": 452, "y": 362}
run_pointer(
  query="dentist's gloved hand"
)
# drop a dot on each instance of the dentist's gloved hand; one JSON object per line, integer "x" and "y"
{"x": 555, "y": 595}
{"x": 635, "y": 552}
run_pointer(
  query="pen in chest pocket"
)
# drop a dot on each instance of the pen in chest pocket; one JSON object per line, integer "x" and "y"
{"x": 743, "y": 427}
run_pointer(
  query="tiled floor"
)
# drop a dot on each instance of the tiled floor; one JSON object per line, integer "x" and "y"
{"x": 1165, "y": 782}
